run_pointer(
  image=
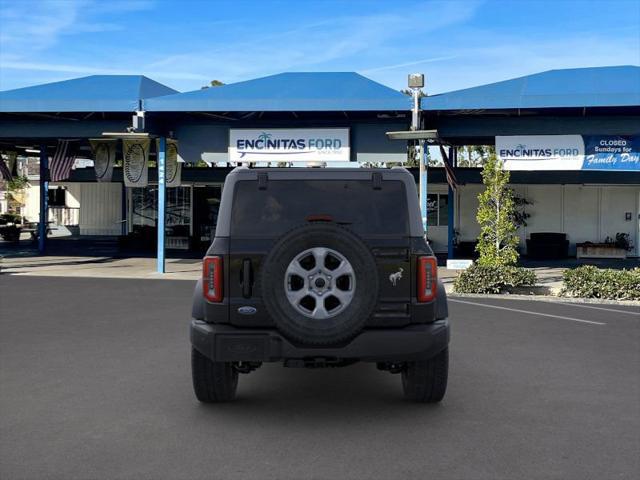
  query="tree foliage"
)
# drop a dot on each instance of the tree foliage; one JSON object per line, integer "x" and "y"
{"x": 474, "y": 155}
{"x": 213, "y": 83}
{"x": 497, "y": 241}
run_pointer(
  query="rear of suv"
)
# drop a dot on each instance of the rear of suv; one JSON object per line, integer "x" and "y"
{"x": 319, "y": 268}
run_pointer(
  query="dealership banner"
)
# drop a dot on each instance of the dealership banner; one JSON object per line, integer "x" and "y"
{"x": 173, "y": 167}
{"x": 569, "y": 152}
{"x": 104, "y": 157}
{"x": 611, "y": 152}
{"x": 135, "y": 153}
{"x": 289, "y": 145}
{"x": 541, "y": 152}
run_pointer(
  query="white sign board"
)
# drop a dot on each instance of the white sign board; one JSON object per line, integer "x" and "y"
{"x": 459, "y": 264}
{"x": 289, "y": 145}
{"x": 541, "y": 152}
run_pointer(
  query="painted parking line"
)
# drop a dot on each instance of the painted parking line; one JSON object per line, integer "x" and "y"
{"x": 571, "y": 304}
{"x": 517, "y": 310}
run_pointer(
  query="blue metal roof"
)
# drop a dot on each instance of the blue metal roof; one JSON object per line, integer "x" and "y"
{"x": 96, "y": 93}
{"x": 307, "y": 91}
{"x": 577, "y": 87}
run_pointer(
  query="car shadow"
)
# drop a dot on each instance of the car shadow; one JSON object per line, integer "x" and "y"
{"x": 355, "y": 394}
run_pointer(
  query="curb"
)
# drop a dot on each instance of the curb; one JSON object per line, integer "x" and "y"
{"x": 546, "y": 298}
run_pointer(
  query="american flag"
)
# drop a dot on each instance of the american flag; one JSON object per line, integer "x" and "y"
{"x": 451, "y": 175}
{"x": 4, "y": 170}
{"x": 62, "y": 160}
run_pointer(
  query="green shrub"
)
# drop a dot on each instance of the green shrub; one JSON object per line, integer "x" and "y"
{"x": 493, "y": 279}
{"x": 592, "y": 282}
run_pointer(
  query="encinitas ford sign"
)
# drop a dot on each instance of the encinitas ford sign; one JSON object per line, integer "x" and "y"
{"x": 541, "y": 152}
{"x": 289, "y": 145}
{"x": 569, "y": 152}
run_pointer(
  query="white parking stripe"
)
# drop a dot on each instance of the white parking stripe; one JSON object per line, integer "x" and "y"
{"x": 572, "y": 304}
{"x": 526, "y": 311}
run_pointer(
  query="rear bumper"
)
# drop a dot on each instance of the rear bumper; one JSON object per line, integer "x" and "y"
{"x": 223, "y": 343}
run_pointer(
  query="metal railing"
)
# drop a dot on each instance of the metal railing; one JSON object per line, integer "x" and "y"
{"x": 67, "y": 216}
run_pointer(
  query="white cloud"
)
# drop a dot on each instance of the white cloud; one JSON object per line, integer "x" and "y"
{"x": 408, "y": 64}
{"x": 88, "y": 70}
{"x": 31, "y": 27}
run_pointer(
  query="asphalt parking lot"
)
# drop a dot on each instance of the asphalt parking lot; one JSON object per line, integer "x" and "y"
{"x": 95, "y": 384}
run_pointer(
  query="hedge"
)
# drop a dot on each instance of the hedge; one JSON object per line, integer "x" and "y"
{"x": 493, "y": 279}
{"x": 591, "y": 282}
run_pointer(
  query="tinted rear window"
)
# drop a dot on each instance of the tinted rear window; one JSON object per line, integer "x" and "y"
{"x": 285, "y": 204}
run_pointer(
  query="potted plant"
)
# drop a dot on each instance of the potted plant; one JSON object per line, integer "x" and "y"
{"x": 611, "y": 247}
{"x": 10, "y": 226}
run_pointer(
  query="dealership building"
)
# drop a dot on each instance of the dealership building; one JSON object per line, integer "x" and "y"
{"x": 571, "y": 139}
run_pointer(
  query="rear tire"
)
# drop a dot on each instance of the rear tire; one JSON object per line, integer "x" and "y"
{"x": 425, "y": 381}
{"x": 213, "y": 382}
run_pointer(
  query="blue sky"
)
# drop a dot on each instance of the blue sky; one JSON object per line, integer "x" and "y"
{"x": 184, "y": 44}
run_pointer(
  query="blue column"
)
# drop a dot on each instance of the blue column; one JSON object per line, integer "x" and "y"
{"x": 423, "y": 185}
{"x": 450, "y": 207}
{"x": 124, "y": 231}
{"x": 44, "y": 199}
{"x": 162, "y": 190}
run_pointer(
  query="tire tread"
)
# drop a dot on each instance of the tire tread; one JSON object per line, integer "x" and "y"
{"x": 425, "y": 381}
{"x": 213, "y": 382}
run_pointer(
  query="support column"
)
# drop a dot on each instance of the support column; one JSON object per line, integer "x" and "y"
{"x": 453, "y": 153}
{"x": 162, "y": 148}
{"x": 44, "y": 199}
{"x": 423, "y": 184}
{"x": 124, "y": 231}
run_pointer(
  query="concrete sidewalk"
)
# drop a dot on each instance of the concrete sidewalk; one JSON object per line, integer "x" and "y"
{"x": 549, "y": 278}
{"x": 100, "y": 267}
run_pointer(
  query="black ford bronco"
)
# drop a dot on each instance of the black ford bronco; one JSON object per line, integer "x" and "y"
{"x": 319, "y": 267}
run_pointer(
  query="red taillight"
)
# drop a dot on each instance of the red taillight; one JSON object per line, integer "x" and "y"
{"x": 212, "y": 278}
{"x": 427, "y": 279}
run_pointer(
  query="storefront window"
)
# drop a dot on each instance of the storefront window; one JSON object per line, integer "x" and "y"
{"x": 432, "y": 209}
{"x": 437, "y": 210}
{"x": 443, "y": 210}
{"x": 206, "y": 203}
{"x": 144, "y": 214}
{"x": 144, "y": 207}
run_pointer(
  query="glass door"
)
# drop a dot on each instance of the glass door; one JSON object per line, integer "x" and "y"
{"x": 206, "y": 203}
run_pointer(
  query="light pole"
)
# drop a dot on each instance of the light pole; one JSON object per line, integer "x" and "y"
{"x": 416, "y": 83}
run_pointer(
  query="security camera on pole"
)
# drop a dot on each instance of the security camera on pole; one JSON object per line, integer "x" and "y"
{"x": 416, "y": 83}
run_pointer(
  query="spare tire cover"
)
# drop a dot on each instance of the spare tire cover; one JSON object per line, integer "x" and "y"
{"x": 319, "y": 284}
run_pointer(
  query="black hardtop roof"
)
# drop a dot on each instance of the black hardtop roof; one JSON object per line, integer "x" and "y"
{"x": 286, "y": 173}
{"x": 267, "y": 175}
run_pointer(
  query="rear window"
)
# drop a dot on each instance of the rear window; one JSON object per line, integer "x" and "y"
{"x": 285, "y": 204}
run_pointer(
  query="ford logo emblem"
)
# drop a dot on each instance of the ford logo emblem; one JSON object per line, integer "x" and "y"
{"x": 247, "y": 310}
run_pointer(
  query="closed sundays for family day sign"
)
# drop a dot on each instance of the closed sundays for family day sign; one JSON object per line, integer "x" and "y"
{"x": 569, "y": 152}
{"x": 289, "y": 145}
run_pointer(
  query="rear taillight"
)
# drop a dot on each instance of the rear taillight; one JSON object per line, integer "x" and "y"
{"x": 427, "y": 279}
{"x": 212, "y": 278}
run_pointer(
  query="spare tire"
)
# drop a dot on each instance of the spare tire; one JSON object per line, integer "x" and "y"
{"x": 319, "y": 284}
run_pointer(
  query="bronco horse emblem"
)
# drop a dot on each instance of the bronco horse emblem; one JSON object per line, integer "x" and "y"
{"x": 394, "y": 277}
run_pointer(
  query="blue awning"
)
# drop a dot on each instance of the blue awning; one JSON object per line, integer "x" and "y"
{"x": 288, "y": 92}
{"x": 577, "y": 87}
{"x": 96, "y": 93}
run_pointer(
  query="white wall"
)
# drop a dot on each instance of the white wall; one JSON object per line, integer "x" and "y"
{"x": 583, "y": 212}
{"x": 466, "y": 209}
{"x": 73, "y": 195}
{"x": 100, "y": 208}
{"x": 581, "y": 216}
{"x": 438, "y": 235}
{"x": 615, "y": 202}
{"x": 32, "y": 202}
